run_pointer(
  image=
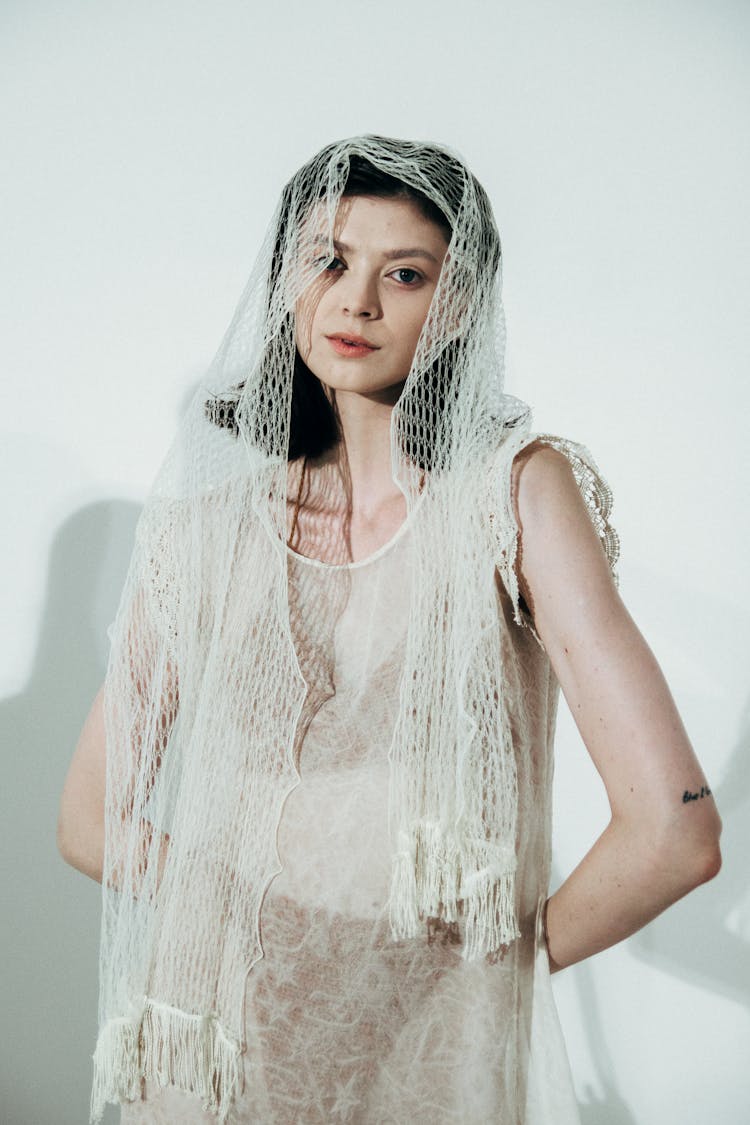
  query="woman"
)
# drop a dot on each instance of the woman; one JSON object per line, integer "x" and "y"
{"x": 357, "y": 585}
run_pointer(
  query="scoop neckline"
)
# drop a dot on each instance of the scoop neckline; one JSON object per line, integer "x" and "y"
{"x": 370, "y": 558}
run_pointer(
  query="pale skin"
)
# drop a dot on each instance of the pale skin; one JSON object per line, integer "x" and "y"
{"x": 656, "y": 847}
{"x": 384, "y": 299}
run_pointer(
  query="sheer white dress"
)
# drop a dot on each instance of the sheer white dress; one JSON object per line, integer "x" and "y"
{"x": 342, "y": 1024}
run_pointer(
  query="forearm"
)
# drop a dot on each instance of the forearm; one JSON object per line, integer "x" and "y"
{"x": 83, "y": 849}
{"x": 629, "y": 876}
{"x": 80, "y": 842}
{"x": 81, "y": 815}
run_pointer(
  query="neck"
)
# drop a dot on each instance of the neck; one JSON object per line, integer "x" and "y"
{"x": 364, "y": 454}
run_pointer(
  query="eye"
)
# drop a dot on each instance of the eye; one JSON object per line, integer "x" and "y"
{"x": 329, "y": 261}
{"x": 416, "y": 276}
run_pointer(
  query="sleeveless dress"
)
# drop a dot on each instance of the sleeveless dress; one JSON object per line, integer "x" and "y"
{"x": 342, "y": 1024}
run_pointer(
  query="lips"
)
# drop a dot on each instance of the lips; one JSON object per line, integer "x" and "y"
{"x": 351, "y": 347}
{"x": 359, "y": 341}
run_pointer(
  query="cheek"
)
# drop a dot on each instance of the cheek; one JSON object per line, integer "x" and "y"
{"x": 416, "y": 323}
{"x": 301, "y": 335}
{"x": 309, "y": 309}
{"x": 304, "y": 316}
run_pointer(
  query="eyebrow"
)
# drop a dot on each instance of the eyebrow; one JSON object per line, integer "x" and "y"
{"x": 409, "y": 252}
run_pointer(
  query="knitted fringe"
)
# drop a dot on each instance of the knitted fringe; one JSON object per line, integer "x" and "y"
{"x": 490, "y": 916}
{"x": 116, "y": 1068}
{"x": 171, "y": 1047}
{"x": 434, "y": 877}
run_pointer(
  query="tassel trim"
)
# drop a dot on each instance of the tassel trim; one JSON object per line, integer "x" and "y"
{"x": 433, "y": 876}
{"x": 171, "y": 1047}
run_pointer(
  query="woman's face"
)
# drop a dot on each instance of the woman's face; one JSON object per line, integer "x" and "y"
{"x": 378, "y": 287}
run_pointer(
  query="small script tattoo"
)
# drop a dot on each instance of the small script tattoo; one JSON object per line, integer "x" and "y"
{"x": 687, "y": 796}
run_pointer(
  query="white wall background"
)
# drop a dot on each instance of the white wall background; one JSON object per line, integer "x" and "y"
{"x": 143, "y": 149}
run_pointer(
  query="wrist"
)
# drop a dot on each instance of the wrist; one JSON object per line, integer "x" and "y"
{"x": 554, "y": 967}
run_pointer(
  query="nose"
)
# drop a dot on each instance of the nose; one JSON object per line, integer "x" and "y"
{"x": 358, "y": 293}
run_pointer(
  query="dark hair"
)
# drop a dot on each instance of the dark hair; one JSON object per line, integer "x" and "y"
{"x": 314, "y": 427}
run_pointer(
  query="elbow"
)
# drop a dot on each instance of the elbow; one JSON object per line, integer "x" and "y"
{"x": 695, "y": 858}
{"x": 673, "y": 856}
{"x": 61, "y": 836}
{"x": 707, "y": 853}
{"x": 705, "y": 863}
{"x": 65, "y": 841}
{"x": 78, "y": 848}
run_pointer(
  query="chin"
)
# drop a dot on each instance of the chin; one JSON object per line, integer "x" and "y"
{"x": 376, "y": 392}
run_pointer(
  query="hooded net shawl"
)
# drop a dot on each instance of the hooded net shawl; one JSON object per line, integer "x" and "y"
{"x": 243, "y": 699}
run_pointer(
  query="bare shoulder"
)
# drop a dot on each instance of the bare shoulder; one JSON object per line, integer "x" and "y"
{"x": 541, "y": 452}
{"x": 562, "y": 564}
{"x": 542, "y": 480}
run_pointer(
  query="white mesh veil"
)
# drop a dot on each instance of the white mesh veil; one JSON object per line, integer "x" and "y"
{"x": 204, "y": 692}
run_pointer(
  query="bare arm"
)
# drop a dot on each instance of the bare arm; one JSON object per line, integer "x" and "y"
{"x": 80, "y": 824}
{"x": 658, "y": 845}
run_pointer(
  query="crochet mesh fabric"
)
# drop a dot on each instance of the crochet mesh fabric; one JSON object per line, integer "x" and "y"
{"x": 323, "y": 869}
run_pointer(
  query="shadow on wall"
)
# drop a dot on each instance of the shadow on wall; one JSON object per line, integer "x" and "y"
{"x": 50, "y": 950}
{"x": 605, "y": 1105}
{"x": 702, "y": 939}
{"x": 705, "y": 938}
